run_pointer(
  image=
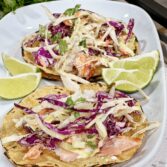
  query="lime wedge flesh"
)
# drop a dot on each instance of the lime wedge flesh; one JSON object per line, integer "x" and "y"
{"x": 145, "y": 61}
{"x": 132, "y": 79}
{"x": 19, "y": 86}
{"x": 15, "y": 66}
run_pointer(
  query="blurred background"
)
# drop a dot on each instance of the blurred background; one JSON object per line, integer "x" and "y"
{"x": 7, "y": 6}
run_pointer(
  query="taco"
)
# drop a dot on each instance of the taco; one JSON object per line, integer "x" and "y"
{"x": 80, "y": 42}
{"x": 55, "y": 127}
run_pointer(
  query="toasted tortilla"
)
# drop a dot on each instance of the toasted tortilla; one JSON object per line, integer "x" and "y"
{"x": 15, "y": 152}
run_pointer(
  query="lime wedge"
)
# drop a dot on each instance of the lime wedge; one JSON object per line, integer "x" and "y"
{"x": 145, "y": 61}
{"x": 19, "y": 86}
{"x": 15, "y": 66}
{"x": 129, "y": 80}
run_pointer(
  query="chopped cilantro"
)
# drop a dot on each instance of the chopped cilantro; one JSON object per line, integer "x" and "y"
{"x": 80, "y": 100}
{"x": 49, "y": 35}
{"x": 76, "y": 114}
{"x": 72, "y": 11}
{"x": 91, "y": 144}
{"x": 42, "y": 30}
{"x": 90, "y": 136}
{"x": 69, "y": 101}
{"x": 63, "y": 46}
{"x": 56, "y": 37}
{"x": 83, "y": 43}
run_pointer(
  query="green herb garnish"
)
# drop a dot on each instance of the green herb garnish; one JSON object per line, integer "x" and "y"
{"x": 11, "y": 5}
{"x": 76, "y": 114}
{"x": 90, "y": 136}
{"x": 63, "y": 46}
{"x": 56, "y": 37}
{"x": 83, "y": 43}
{"x": 91, "y": 144}
{"x": 72, "y": 11}
{"x": 80, "y": 100}
{"x": 70, "y": 101}
{"x": 42, "y": 30}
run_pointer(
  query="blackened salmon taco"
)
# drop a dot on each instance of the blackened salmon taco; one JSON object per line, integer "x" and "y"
{"x": 80, "y": 42}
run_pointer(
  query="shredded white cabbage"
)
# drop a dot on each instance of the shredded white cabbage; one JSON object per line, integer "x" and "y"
{"x": 49, "y": 13}
{"x": 152, "y": 125}
{"x": 12, "y": 138}
{"x": 44, "y": 105}
{"x": 112, "y": 103}
{"x": 66, "y": 121}
{"x": 48, "y": 131}
{"x": 94, "y": 121}
{"x": 101, "y": 128}
{"x": 126, "y": 49}
{"x": 50, "y": 49}
{"x": 74, "y": 77}
{"x": 69, "y": 84}
{"x": 136, "y": 86}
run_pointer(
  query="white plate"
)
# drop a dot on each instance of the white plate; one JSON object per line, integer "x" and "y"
{"x": 14, "y": 27}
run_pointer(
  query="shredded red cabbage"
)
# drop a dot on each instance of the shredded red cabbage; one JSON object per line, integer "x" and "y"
{"x": 43, "y": 58}
{"x": 102, "y": 95}
{"x": 85, "y": 110}
{"x": 25, "y": 109}
{"x": 110, "y": 52}
{"x": 64, "y": 105}
{"x": 117, "y": 25}
{"x": 54, "y": 102}
{"x": 130, "y": 28}
{"x": 119, "y": 94}
{"x": 93, "y": 52}
{"x": 44, "y": 53}
{"x": 100, "y": 98}
{"x": 66, "y": 131}
{"x": 61, "y": 28}
{"x": 113, "y": 128}
{"x": 31, "y": 42}
{"x": 39, "y": 138}
{"x": 80, "y": 122}
{"x": 30, "y": 140}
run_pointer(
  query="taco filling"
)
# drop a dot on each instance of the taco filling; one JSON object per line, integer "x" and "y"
{"x": 79, "y": 42}
{"x": 79, "y": 125}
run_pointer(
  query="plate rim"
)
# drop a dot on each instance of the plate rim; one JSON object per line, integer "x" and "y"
{"x": 163, "y": 126}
